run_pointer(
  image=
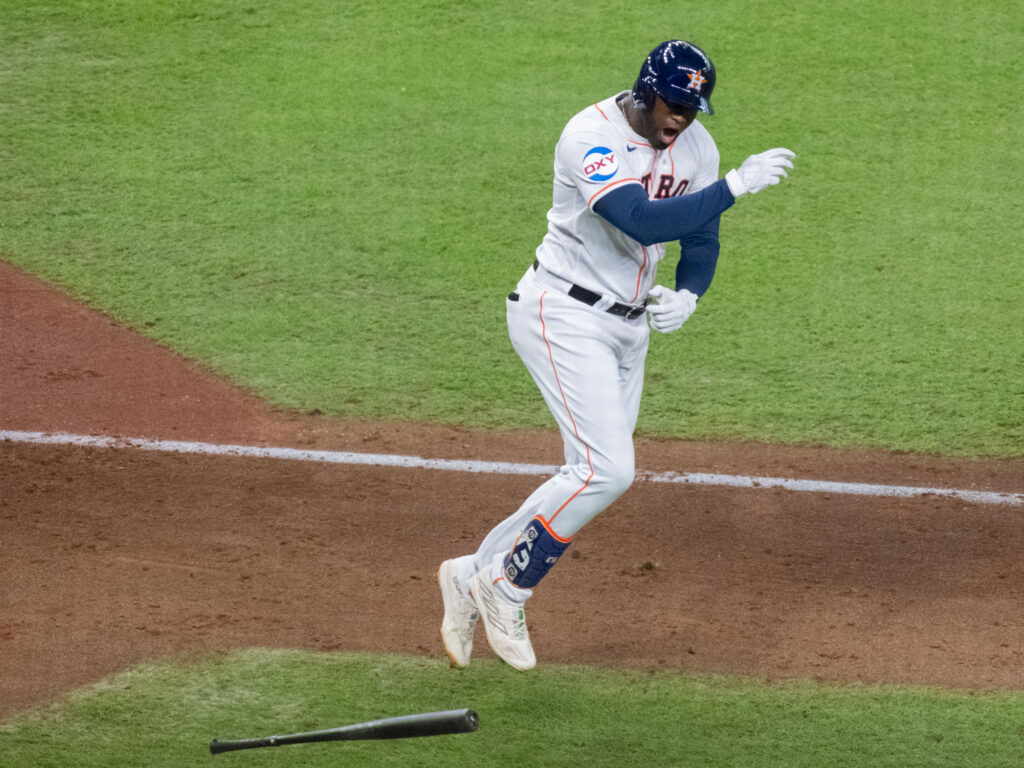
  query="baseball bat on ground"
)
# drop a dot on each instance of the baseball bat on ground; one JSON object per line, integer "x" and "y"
{"x": 404, "y": 727}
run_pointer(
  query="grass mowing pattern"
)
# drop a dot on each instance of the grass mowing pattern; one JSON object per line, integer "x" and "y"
{"x": 328, "y": 202}
{"x": 165, "y": 715}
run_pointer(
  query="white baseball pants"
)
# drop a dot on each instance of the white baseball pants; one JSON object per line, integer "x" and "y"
{"x": 589, "y": 366}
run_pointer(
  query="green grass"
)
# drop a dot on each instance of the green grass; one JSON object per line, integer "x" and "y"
{"x": 165, "y": 715}
{"x": 327, "y": 202}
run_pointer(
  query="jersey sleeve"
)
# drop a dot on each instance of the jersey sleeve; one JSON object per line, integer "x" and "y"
{"x": 707, "y": 172}
{"x": 589, "y": 160}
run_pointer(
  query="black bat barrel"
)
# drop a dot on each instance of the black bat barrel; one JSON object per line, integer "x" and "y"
{"x": 404, "y": 727}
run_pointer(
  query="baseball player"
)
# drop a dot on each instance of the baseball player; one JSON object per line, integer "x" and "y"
{"x": 632, "y": 172}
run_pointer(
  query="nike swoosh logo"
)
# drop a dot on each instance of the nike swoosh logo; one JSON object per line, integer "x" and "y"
{"x": 630, "y": 149}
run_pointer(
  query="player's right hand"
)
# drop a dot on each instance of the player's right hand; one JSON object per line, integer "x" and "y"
{"x": 760, "y": 171}
{"x": 673, "y": 308}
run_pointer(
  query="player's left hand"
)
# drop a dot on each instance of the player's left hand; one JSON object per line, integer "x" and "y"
{"x": 672, "y": 309}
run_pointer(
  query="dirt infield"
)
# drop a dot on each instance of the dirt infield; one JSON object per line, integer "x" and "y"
{"x": 113, "y": 555}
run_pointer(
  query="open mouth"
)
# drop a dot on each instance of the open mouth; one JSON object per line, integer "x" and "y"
{"x": 668, "y": 135}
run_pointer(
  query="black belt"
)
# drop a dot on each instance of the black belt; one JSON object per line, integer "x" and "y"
{"x": 590, "y": 298}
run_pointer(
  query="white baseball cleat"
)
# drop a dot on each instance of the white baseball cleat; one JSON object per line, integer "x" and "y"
{"x": 460, "y": 616}
{"x": 505, "y": 622}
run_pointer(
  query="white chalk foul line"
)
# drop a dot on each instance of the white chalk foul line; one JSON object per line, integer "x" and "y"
{"x": 505, "y": 468}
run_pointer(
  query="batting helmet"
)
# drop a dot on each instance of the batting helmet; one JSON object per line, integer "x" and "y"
{"x": 680, "y": 73}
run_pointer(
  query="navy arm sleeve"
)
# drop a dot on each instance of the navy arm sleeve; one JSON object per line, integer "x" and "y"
{"x": 672, "y": 218}
{"x": 698, "y": 259}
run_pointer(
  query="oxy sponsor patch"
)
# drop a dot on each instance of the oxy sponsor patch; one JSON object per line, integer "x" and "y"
{"x": 600, "y": 164}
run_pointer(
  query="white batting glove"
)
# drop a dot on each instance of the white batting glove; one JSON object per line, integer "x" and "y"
{"x": 759, "y": 171}
{"x": 672, "y": 310}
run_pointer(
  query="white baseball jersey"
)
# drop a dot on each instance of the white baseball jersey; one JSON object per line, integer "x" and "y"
{"x": 597, "y": 152}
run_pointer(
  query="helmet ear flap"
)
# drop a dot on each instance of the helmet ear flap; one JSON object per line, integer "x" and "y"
{"x": 643, "y": 93}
